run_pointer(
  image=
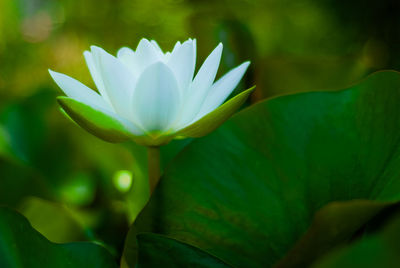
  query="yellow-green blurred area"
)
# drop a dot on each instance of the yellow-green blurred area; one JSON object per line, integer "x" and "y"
{"x": 56, "y": 174}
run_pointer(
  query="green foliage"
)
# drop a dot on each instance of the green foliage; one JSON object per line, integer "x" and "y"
{"x": 62, "y": 228}
{"x": 22, "y": 246}
{"x": 247, "y": 192}
{"x": 378, "y": 250}
{"x": 333, "y": 224}
{"x": 283, "y": 183}
{"x": 158, "y": 251}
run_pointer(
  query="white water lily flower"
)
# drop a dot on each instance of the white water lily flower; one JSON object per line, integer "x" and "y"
{"x": 151, "y": 96}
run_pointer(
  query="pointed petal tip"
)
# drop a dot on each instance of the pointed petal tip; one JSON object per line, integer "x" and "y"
{"x": 97, "y": 50}
{"x": 191, "y": 40}
{"x": 241, "y": 68}
{"x": 148, "y": 49}
{"x": 245, "y": 64}
{"x": 55, "y": 74}
{"x": 87, "y": 55}
{"x": 93, "y": 47}
{"x": 143, "y": 41}
{"x": 124, "y": 51}
{"x": 101, "y": 54}
{"x": 187, "y": 43}
{"x": 194, "y": 42}
{"x": 218, "y": 49}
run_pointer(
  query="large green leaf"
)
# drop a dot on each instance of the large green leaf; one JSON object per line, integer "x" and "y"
{"x": 332, "y": 225}
{"x": 247, "y": 192}
{"x": 62, "y": 227}
{"x": 158, "y": 251}
{"x": 378, "y": 250}
{"x": 23, "y": 246}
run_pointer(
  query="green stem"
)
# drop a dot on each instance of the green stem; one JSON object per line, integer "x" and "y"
{"x": 153, "y": 154}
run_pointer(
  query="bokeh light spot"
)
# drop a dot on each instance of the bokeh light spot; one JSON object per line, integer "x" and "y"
{"x": 123, "y": 180}
{"x": 78, "y": 190}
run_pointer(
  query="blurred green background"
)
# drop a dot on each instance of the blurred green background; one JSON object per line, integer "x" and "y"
{"x": 51, "y": 169}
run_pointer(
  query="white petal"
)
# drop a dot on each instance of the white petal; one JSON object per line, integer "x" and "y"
{"x": 206, "y": 75}
{"x": 124, "y": 51}
{"x": 200, "y": 86}
{"x": 156, "y": 46}
{"x": 130, "y": 126}
{"x": 126, "y": 55}
{"x": 222, "y": 89}
{"x": 163, "y": 56}
{"x": 194, "y": 41}
{"x": 119, "y": 81}
{"x": 182, "y": 64}
{"x": 145, "y": 55}
{"x": 156, "y": 98}
{"x": 96, "y": 76}
{"x": 167, "y": 55}
{"x": 78, "y": 91}
{"x": 177, "y": 46}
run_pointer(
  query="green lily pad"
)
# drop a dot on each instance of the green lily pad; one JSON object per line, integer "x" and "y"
{"x": 332, "y": 225}
{"x": 158, "y": 251}
{"x": 247, "y": 192}
{"x": 62, "y": 227}
{"x": 377, "y": 250}
{"x": 23, "y": 246}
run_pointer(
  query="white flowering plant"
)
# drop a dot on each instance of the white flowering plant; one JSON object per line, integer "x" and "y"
{"x": 282, "y": 183}
{"x": 149, "y": 96}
